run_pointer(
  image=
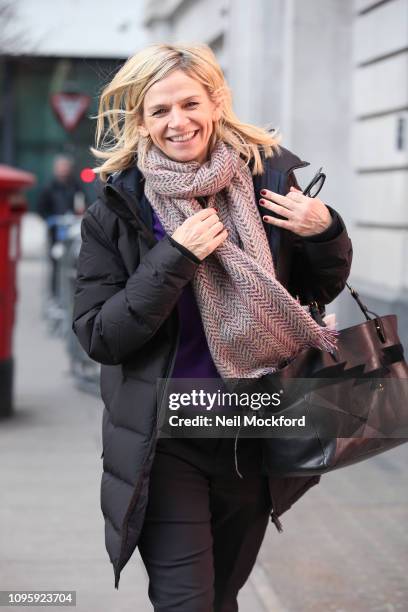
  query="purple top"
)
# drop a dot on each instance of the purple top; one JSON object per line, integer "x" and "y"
{"x": 193, "y": 359}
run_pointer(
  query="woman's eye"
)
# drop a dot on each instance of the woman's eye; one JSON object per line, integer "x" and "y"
{"x": 163, "y": 109}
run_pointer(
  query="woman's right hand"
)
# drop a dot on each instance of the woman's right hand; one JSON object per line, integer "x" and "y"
{"x": 201, "y": 233}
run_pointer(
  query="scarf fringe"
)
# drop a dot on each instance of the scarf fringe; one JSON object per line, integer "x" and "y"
{"x": 329, "y": 339}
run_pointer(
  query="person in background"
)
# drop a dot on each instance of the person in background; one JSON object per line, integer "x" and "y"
{"x": 63, "y": 194}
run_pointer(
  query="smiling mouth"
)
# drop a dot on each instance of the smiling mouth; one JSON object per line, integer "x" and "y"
{"x": 191, "y": 136}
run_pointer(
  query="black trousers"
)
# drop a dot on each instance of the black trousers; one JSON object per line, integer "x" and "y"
{"x": 204, "y": 524}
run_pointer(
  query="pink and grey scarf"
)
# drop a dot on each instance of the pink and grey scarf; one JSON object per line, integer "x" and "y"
{"x": 251, "y": 321}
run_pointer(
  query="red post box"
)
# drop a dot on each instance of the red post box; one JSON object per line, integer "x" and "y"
{"x": 12, "y": 207}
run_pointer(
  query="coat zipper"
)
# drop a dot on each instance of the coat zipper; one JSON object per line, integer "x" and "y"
{"x": 275, "y": 520}
{"x": 274, "y": 517}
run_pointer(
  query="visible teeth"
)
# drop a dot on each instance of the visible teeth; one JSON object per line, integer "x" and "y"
{"x": 183, "y": 138}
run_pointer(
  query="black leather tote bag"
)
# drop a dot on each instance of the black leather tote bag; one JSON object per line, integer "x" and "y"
{"x": 355, "y": 399}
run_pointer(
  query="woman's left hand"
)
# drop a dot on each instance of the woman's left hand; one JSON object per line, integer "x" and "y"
{"x": 304, "y": 216}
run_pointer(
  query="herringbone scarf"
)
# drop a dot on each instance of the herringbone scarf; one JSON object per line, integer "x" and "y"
{"x": 250, "y": 320}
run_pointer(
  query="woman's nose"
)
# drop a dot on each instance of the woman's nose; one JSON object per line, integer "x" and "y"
{"x": 177, "y": 118}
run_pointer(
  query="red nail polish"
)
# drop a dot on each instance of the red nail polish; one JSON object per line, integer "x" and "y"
{"x": 263, "y": 191}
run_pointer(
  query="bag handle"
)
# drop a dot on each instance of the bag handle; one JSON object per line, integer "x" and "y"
{"x": 315, "y": 313}
{"x": 362, "y": 306}
{"x": 377, "y": 320}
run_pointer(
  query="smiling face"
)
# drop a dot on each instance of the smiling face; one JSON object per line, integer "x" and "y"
{"x": 179, "y": 106}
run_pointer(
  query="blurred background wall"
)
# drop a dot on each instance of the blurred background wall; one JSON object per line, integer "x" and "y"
{"x": 52, "y": 46}
{"x": 332, "y": 75}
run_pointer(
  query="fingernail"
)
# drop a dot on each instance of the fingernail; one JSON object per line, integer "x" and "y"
{"x": 262, "y": 201}
{"x": 264, "y": 218}
{"x": 263, "y": 191}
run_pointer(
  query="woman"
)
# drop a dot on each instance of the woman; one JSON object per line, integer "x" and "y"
{"x": 186, "y": 271}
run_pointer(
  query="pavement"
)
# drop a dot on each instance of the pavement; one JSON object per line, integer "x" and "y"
{"x": 344, "y": 547}
{"x": 51, "y": 525}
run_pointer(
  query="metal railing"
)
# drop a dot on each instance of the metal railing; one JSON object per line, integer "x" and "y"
{"x": 59, "y": 298}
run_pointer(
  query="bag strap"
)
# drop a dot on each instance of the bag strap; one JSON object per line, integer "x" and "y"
{"x": 362, "y": 306}
{"x": 316, "y": 314}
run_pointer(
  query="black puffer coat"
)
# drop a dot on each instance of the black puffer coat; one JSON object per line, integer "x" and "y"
{"x": 125, "y": 317}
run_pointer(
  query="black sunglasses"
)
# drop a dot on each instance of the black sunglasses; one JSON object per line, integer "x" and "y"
{"x": 315, "y": 184}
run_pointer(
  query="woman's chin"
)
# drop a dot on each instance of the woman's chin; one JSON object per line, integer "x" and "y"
{"x": 184, "y": 156}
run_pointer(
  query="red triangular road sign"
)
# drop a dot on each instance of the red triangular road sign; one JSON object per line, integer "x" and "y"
{"x": 70, "y": 108}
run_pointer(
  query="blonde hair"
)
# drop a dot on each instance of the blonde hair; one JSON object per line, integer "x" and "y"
{"x": 121, "y": 105}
